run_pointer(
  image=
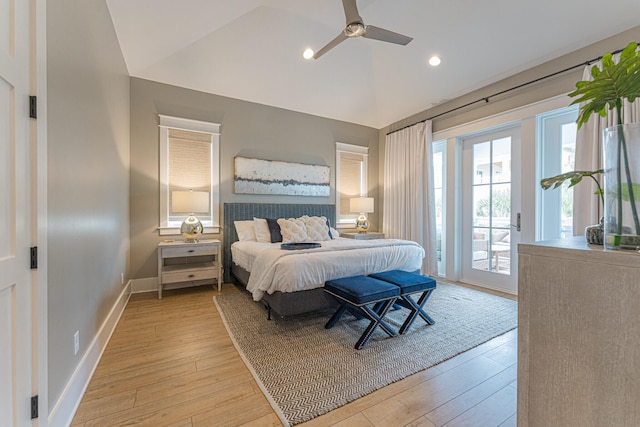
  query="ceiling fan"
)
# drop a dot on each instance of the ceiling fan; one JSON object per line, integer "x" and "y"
{"x": 356, "y": 28}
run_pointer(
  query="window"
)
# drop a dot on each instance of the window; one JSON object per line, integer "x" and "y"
{"x": 556, "y": 152}
{"x": 351, "y": 180}
{"x": 439, "y": 184}
{"x": 189, "y": 161}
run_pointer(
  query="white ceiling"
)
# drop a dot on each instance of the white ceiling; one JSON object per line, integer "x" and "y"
{"x": 252, "y": 49}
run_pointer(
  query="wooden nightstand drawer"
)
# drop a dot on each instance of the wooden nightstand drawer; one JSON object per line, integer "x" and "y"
{"x": 188, "y": 251}
{"x": 178, "y": 274}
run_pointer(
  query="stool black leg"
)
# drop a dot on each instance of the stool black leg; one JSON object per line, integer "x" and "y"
{"x": 354, "y": 310}
{"x": 336, "y": 316}
{"x": 376, "y": 320}
{"x": 416, "y": 309}
{"x": 421, "y": 301}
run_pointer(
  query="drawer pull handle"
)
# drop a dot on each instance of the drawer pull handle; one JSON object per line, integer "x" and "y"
{"x": 191, "y": 275}
{"x": 191, "y": 250}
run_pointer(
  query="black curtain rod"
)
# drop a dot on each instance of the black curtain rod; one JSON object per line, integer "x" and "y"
{"x": 486, "y": 98}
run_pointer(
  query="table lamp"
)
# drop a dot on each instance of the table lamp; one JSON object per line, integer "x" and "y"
{"x": 190, "y": 201}
{"x": 362, "y": 205}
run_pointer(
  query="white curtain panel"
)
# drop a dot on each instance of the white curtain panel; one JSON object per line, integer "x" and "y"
{"x": 409, "y": 203}
{"x": 587, "y": 208}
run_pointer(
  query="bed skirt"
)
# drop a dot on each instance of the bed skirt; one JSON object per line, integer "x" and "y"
{"x": 289, "y": 303}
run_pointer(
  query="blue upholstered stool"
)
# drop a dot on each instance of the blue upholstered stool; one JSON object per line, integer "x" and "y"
{"x": 410, "y": 283}
{"x": 355, "y": 294}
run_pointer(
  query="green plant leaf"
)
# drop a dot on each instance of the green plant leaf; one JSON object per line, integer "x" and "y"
{"x": 609, "y": 86}
{"x": 625, "y": 191}
{"x": 573, "y": 177}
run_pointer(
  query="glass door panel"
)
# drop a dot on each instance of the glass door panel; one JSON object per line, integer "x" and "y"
{"x": 439, "y": 184}
{"x": 488, "y": 209}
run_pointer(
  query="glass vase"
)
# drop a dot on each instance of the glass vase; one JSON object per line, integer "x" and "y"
{"x": 621, "y": 151}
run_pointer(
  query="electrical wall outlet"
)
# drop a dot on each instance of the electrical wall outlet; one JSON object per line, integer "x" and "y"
{"x": 122, "y": 278}
{"x": 76, "y": 343}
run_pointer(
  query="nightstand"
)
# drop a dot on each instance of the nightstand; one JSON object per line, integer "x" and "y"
{"x": 363, "y": 236}
{"x": 179, "y": 261}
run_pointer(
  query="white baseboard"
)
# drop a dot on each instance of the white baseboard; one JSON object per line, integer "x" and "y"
{"x": 150, "y": 284}
{"x": 147, "y": 284}
{"x": 65, "y": 408}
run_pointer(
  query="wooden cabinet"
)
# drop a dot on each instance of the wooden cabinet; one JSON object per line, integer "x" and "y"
{"x": 179, "y": 261}
{"x": 363, "y": 236}
{"x": 578, "y": 335}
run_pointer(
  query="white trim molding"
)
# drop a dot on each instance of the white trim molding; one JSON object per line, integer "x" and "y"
{"x": 189, "y": 124}
{"x": 64, "y": 409}
{"x": 167, "y": 227}
{"x": 349, "y": 221}
{"x": 150, "y": 284}
{"x": 350, "y": 148}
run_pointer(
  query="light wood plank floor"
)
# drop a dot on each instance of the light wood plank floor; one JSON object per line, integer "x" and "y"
{"x": 170, "y": 362}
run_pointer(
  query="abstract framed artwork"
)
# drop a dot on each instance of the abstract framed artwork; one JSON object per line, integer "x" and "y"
{"x": 256, "y": 176}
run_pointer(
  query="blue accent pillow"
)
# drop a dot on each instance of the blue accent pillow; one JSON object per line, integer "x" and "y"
{"x": 274, "y": 229}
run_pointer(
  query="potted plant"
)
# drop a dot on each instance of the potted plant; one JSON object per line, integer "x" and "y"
{"x": 612, "y": 85}
{"x": 593, "y": 233}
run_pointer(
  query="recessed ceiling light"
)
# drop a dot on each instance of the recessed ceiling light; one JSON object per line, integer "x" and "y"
{"x": 308, "y": 53}
{"x": 434, "y": 61}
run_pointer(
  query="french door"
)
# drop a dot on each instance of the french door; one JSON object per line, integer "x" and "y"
{"x": 17, "y": 364}
{"x": 491, "y": 208}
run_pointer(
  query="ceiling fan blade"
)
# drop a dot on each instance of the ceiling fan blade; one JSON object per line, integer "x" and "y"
{"x": 351, "y": 11}
{"x": 333, "y": 43}
{"x": 381, "y": 34}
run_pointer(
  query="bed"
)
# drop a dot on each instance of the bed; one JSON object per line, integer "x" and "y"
{"x": 286, "y": 280}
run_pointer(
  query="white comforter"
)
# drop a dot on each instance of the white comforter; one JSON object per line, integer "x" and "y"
{"x": 274, "y": 269}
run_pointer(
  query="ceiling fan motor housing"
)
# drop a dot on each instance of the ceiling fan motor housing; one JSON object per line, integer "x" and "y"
{"x": 355, "y": 29}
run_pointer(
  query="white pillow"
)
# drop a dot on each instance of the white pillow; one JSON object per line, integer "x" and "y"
{"x": 245, "y": 231}
{"x": 293, "y": 230}
{"x": 263, "y": 235}
{"x": 334, "y": 233}
{"x": 317, "y": 228}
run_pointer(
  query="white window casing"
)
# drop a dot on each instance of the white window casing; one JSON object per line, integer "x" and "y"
{"x": 202, "y": 173}
{"x": 351, "y": 180}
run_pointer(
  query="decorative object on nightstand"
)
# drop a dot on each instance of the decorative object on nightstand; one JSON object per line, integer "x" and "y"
{"x": 363, "y": 236}
{"x": 362, "y": 205}
{"x": 190, "y": 202}
{"x": 181, "y": 261}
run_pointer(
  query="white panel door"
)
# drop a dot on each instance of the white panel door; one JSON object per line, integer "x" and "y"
{"x": 491, "y": 209}
{"x": 16, "y": 361}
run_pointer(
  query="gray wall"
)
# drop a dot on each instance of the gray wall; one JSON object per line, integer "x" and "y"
{"x": 248, "y": 129}
{"x": 558, "y": 85}
{"x": 88, "y": 178}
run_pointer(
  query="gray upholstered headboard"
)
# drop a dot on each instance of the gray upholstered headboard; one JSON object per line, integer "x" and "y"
{"x": 245, "y": 211}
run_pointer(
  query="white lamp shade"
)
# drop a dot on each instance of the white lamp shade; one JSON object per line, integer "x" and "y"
{"x": 361, "y": 204}
{"x": 189, "y": 201}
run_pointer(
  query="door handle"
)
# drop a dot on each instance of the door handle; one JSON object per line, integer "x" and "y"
{"x": 517, "y": 224}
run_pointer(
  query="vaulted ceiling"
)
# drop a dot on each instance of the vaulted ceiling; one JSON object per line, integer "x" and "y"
{"x": 252, "y": 49}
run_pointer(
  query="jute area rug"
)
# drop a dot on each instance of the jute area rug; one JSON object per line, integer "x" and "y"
{"x": 305, "y": 370}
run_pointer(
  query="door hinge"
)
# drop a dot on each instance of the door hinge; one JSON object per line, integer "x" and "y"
{"x": 34, "y": 407}
{"x": 33, "y": 107}
{"x": 34, "y": 257}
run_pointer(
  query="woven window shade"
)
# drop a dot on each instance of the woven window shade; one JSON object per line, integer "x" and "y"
{"x": 350, "y": 179}
{"x": 189, "y": 162}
